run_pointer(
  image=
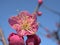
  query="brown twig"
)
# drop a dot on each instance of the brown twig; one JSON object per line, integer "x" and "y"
{"x": 2, "y": 37}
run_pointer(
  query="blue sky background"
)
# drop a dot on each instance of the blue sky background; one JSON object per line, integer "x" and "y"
{"x": 48, "y": 19}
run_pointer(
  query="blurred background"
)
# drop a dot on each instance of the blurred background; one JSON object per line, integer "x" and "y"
{"x": 48, "y": 19}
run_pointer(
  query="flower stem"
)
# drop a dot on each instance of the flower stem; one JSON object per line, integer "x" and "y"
{"x": 38, "y": 6}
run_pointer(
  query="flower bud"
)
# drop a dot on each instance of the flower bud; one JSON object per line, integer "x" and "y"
{"x": 39, "y": 13}
{"x": 14, "y": 39}
{"x": 40, "y": 1}
{"x": 33, "y": 40}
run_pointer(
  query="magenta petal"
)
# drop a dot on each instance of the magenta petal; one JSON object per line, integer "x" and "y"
{"x": 34, "y": 39}
{"x": 23, "y": 13}
{"x": 14, "y": 39}
{"x": 12, "y": 22}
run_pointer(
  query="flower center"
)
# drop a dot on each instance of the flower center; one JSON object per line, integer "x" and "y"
{"x": 25, "y": 26}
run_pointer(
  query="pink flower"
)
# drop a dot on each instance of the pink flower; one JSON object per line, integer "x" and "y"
{"x": 14, "y": 39}
{"x": 24, "y": 23}
{"x": 33, "y": 40}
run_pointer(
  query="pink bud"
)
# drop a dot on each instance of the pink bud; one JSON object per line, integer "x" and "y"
{"x": 39, "y": 13}
{"x": 40, "y": 1}
{"x": 15, "y": 39}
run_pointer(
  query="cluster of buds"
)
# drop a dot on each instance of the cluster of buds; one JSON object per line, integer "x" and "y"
{"x": 25, "y": 24}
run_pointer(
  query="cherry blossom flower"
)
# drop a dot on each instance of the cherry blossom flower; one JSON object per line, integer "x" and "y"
{"x": 24, "y": 23}
{"x": 14, "y": 39}
{"x": 33, "y": 40}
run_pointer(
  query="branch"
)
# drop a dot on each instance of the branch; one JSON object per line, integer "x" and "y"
{"x": 54, "y": 11}
{"x": 2, "y": 37}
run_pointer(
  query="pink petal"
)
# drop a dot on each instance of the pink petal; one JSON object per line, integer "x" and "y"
{"x": 31, "y": 20}
{"x": 16, "y": 27}
{"x": 12, "y": 22}
{"x": 23, "y": 14}
{"x": 21, "y": 32}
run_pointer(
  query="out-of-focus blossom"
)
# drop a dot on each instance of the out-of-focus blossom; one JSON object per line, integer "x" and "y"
{"x": 24, "y": 23}
{"x": 46, "y": 29}
{"x": 40, "y": 1}
{"x": 48, "y": 35}
{"x": 58, "y": 42}
{"x": 14, "y": 39}
{"x": 33, "y": 40}
{"x": 58, "y": 24}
